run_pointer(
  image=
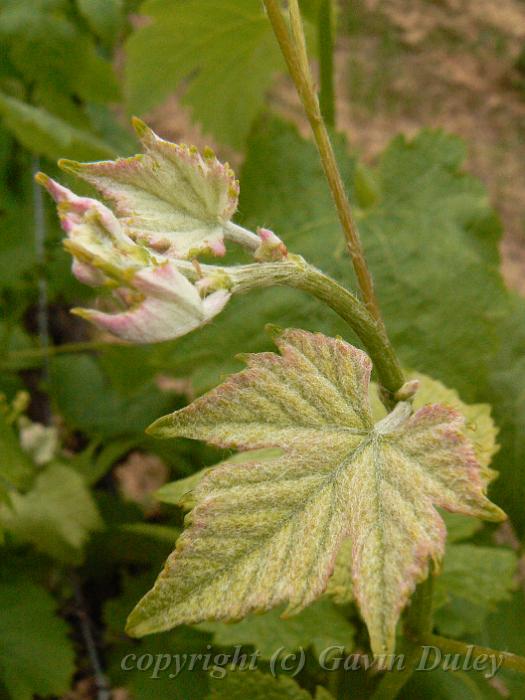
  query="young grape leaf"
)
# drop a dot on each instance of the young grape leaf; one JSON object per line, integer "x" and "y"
{"x": 479, "y": 425}
{"x": 180, "y": 492}
{"x": 170, "y": 198}
{"x": 265, "y": 533}
{"x": 225, "y": 47}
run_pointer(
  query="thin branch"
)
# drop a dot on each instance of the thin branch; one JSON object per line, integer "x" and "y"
{"x": 292, "y": 45}
{"x": 101, "y": 681}
{"x": 452, "y": 646}
{"x": 22, "y": 359}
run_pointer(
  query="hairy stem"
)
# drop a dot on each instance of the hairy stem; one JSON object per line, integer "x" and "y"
{"x": 325, "y": 29}
{"x": 293, "y": 47}
{"x": 297, "y": 273}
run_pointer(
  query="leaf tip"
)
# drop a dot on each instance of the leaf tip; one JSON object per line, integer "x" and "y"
{"x": 160, "y": 427}
{"x": 42, "y": 179}
{"x": 69, "y": 166}
{"x": 140, "y": 127}
{"x": 273, "y": 330}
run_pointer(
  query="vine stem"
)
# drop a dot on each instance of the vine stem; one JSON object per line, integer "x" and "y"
{"x": 293, "y": 46}
{"x": 452, "y": 646}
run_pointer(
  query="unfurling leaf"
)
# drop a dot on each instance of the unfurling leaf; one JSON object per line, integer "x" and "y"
{"x": 170, "y": 199}
{"x": 155, "y": 300}
{"x": 263, "y": 533}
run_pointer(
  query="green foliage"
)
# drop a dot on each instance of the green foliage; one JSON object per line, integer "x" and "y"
{"x": 421, "y": 191}
{"x": 105, "y": 411}
{"x": 238, "y": 685}
{"x": 319, "y": 626}
{"x": 48, "y": 48}
{"x": 36, "y": 655}
{"x": 105, "y": 17}
{"x": 508, "y": 396}
{"x": 145, "y": 685}
{"x": 16, "y": 469}
{"x": 474, "y": 580}
{"x": 56, "y": 515}
{"x": 47, "y": 135}
{"x": 225, "y": 47}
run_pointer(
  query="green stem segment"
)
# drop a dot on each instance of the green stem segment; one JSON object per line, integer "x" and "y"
{"x": 452, "y": 646}
{"x": 293, "y": 47}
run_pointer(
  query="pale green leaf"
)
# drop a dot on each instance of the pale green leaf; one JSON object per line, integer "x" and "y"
{"x": 242, "y": 684}
{"x": 180, "y": 492}
{"x": 47, "y": 135}
{"x": 319, "y": 626}
{"x": 225, "y": 47}
{"x": 36, "y": 655}
{"x": 170, "y": 198}
{"x": 56, "y": 515}
{"x": 479, "y": 425}
{"x": 340, "y": 586}
{"x": 339, "y": 476}
{"x": 472, "y": 582}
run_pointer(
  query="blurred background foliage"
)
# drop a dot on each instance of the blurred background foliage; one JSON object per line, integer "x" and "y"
{"x": 84, "y": 536}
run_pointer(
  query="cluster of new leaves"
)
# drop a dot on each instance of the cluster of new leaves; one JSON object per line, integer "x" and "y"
{"x": 268, "y": 532}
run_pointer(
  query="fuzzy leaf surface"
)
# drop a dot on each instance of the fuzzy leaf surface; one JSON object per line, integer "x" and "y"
{"x": 169, "y": 198}
{"x": 266, "y": 533}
